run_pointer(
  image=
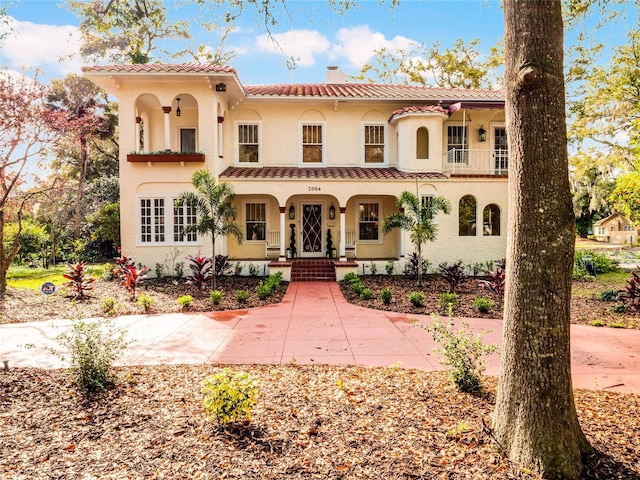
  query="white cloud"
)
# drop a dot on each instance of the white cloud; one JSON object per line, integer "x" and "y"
{"x": 33, "y": 45}
{"x": 302, "y": 45}
{"x": 357, "y": 44}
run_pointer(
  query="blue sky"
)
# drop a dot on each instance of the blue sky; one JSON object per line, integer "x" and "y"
{"x": 314, "y": 35}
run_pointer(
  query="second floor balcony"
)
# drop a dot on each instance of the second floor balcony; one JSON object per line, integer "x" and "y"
{"x": 475, "y": 162}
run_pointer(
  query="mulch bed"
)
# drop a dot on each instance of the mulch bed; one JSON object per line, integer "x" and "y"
{"x": 310, "y": 422}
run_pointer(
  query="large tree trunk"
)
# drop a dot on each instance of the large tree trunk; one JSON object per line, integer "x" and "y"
{"x": 535, "y": 420}
{"x": 77, "y": 221}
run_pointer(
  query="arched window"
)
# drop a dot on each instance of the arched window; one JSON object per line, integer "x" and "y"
{"x": 491, "y": 220}
{"x": 422, "y": 143}
{"x": 467, "y": 216}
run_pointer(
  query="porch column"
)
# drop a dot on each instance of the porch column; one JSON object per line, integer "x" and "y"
{"x": 402, "y": 239}
{"x": 167, "y": 128}
{"x": 343, "y": 234}
{"x": 138, "y": 122}
{"x": 283, "y": 234}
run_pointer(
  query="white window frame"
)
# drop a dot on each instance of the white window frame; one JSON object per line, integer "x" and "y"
{"x": 359, "y": 202}
{"x": 301, "y": 161}
{"x": 237, "y": 126}
{"x": 179, "y": 140}
{"x": 363, "y": 144}
{"x": 168, "y": 224}
{"x": 462, "y": 160}
{"x": 244, "y": 219}
{"x": 423, "y": 197}
{"x": 186, "y": 216}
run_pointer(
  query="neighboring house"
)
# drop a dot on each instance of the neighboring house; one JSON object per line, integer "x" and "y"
{"x": 305, "y": 159}
{"x": 616, "y": 229}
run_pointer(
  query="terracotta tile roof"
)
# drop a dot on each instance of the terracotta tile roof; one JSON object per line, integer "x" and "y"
{"x": 371, "y": 91}
{"x": 330, "y": 173}
{"x": 418, "y": 109}
{"x": 159, "y": 68}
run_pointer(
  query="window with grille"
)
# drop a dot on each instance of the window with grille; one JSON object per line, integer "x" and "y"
{"x": 312, "y": 144}
{"x": 152, "y": 223}
{"x": 457, "y": 144}
{"x": 369, "y": 221}
{"x": 374, "y": 144}
{"x": 184, "y": 216}
{"x": 255, "y": 221}
{"x": 248, "y": 143}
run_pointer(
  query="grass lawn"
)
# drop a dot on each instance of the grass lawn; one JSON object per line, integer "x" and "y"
{"x": 33, "y": 278}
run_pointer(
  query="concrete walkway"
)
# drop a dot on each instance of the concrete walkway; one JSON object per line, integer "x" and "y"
{"x": 315, "y": 325}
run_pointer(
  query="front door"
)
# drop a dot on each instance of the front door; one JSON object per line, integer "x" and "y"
{"x": 311, "y": 229}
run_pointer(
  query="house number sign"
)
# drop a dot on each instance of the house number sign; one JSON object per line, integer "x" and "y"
{"x": 314, "y": 189}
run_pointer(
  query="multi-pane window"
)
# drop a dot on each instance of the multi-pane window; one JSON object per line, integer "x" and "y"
{"x": 374, "y": 144}
{"x": 491, "y": 220}
{"x": 467, "y": 216}
{"x": 184, "y": 216}
{"x": 187, "y": 140}
{"x": 312, "y": 144}
{"x": 427, "y": 203}
{"x": 369, "y": 221}
{"x": 256, "y": 221}
{"x": 457, "y": 144}
{"x": 248, "y": 143}
{"x": 152, "y": 222}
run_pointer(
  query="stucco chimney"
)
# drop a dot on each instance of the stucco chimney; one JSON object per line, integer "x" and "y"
{"x": 334, "y": 75}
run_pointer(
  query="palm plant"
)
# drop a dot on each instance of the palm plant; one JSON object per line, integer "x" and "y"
{"x": 416, "y": 217}
{"x": 215, "y": 210}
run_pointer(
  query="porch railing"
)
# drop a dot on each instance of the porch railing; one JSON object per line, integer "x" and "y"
{"x": 476, "y": 162}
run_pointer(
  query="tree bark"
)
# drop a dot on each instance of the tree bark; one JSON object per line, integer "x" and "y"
{"x": 535, "y": 421}
{"x": 81, "y": 182}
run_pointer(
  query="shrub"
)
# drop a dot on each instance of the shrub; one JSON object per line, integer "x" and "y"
{"x": 242, "y": 296}
{"x": 601, "y": 261}
{"x": 416, "y": 299}
{"x": 373, "y": 268}
{"x": 222, "y": 265}
{"x": 386, "y": 295}
{"x": 630, "y": 295}
{"x": 106, "y": 272}
{"x": 180, "y": 269}
{"x": 449, "y": 299}
{"x": 357, "y": 287}
{"x": 145, "y": 301}
{"x": 108, "y": 306}
{"x": 390, "y": 267}
{"x": 453, "y": 275}
{"x": 483, "y": 304}
{"x": 411, "y": 267}
{"x": 77, "y": 279}
{"x": 608, "y": 295}
{"x": 184, "y": 301}
{"x": 494, "y": 281}
{"x": 620, "y": 308}
{"x": 263, "y": 290}
{"x": 237, "y": 270}
{"x": 253, "y": 270}
{"x": 462, "y": 353}
{"x": 229, "y": 397}
{"x": 93, "y": 347}
{"x": 274, "y": 280}
{"x": 132, "y": 277}
{"x": 201, "y": 272}
{"x": 215, "y": 296}
{"x": 366, "y": 294}
{"x": 350, "y": 277}
{"x": 159, "y": 270}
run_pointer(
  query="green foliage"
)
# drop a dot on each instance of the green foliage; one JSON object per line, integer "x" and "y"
{"x": 263, "y": 290}
{"x": 215, "y": 296}
{"x": 390, "y": 267}
{"x": 386, "y": 295}
{"x": 229, "y": 396}
{"x": 366, "y": 294}
{"x": 108, "y": 306}
{"x": 77, "y": 279}
{"x": 357, "y": 287}
{"x": 373, "y": 268}
{"x": 626, "y": 195}
{"x": 253, "y": 270}
{"x": 33, "y": 238}
{"x": 93, "y": 347}
{"x": 146, "y": 302}
{"x": 630, "y": 295}
{"x": 484, "y": 305}
{"x": 350, "y": 277}
{"x": 462, "y": 353}
{"x": 620, "y": 308}
{"x": 417, "y": 299}
{"x": 237, "y": 270}
{"x": 268, "y": 286}
{"x": 449, "y": 300}
{"x": 242, "y": 296}
{"x": 105, "y": 223}
{"x": 602, "y": 262}
{"x": 609, "y": 295}
{"x": 159, "y": 270}
{"x": 184, "y": 302}
{"x": 179, "y": 269}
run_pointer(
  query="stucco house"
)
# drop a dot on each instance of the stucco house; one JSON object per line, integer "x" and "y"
{"x": 616, "y": 229}
{"x": 306, "y": 161}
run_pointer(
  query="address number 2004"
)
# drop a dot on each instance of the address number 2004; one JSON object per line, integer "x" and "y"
{"x": 314, "y": 189}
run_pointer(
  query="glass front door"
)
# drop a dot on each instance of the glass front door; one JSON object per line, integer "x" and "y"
{"x": 311, "y": 229}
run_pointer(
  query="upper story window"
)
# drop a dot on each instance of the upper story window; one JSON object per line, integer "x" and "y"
{"x": 255, "y": 221}
{"x": 248, "y": 143}
{"x": 467, "y": 216}
{"x": 188, "y": 140}
{"x": 374, "y": 144}
{"x": 422, "y": 143}
{"x": 312, "y": 144}
{"x": 457, "y": 144}
{"x": 491, "y": 220}
{"x": 627, "y": 228}
{"x": 369, "y": 221}
{"x": 157, "y": 225}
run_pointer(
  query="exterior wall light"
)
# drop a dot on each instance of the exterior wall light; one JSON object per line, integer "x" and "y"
{"x": 178, "y": 113}
{"x": 482, "y": 134}
{"x": 292, "y": 212}
{"x": 332, "y": 212}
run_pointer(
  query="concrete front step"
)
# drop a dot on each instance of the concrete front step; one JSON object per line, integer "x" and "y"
{"x": 310, "y": 270}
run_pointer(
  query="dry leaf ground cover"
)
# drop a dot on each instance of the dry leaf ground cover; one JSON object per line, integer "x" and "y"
{"x": 310, "y": 422}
